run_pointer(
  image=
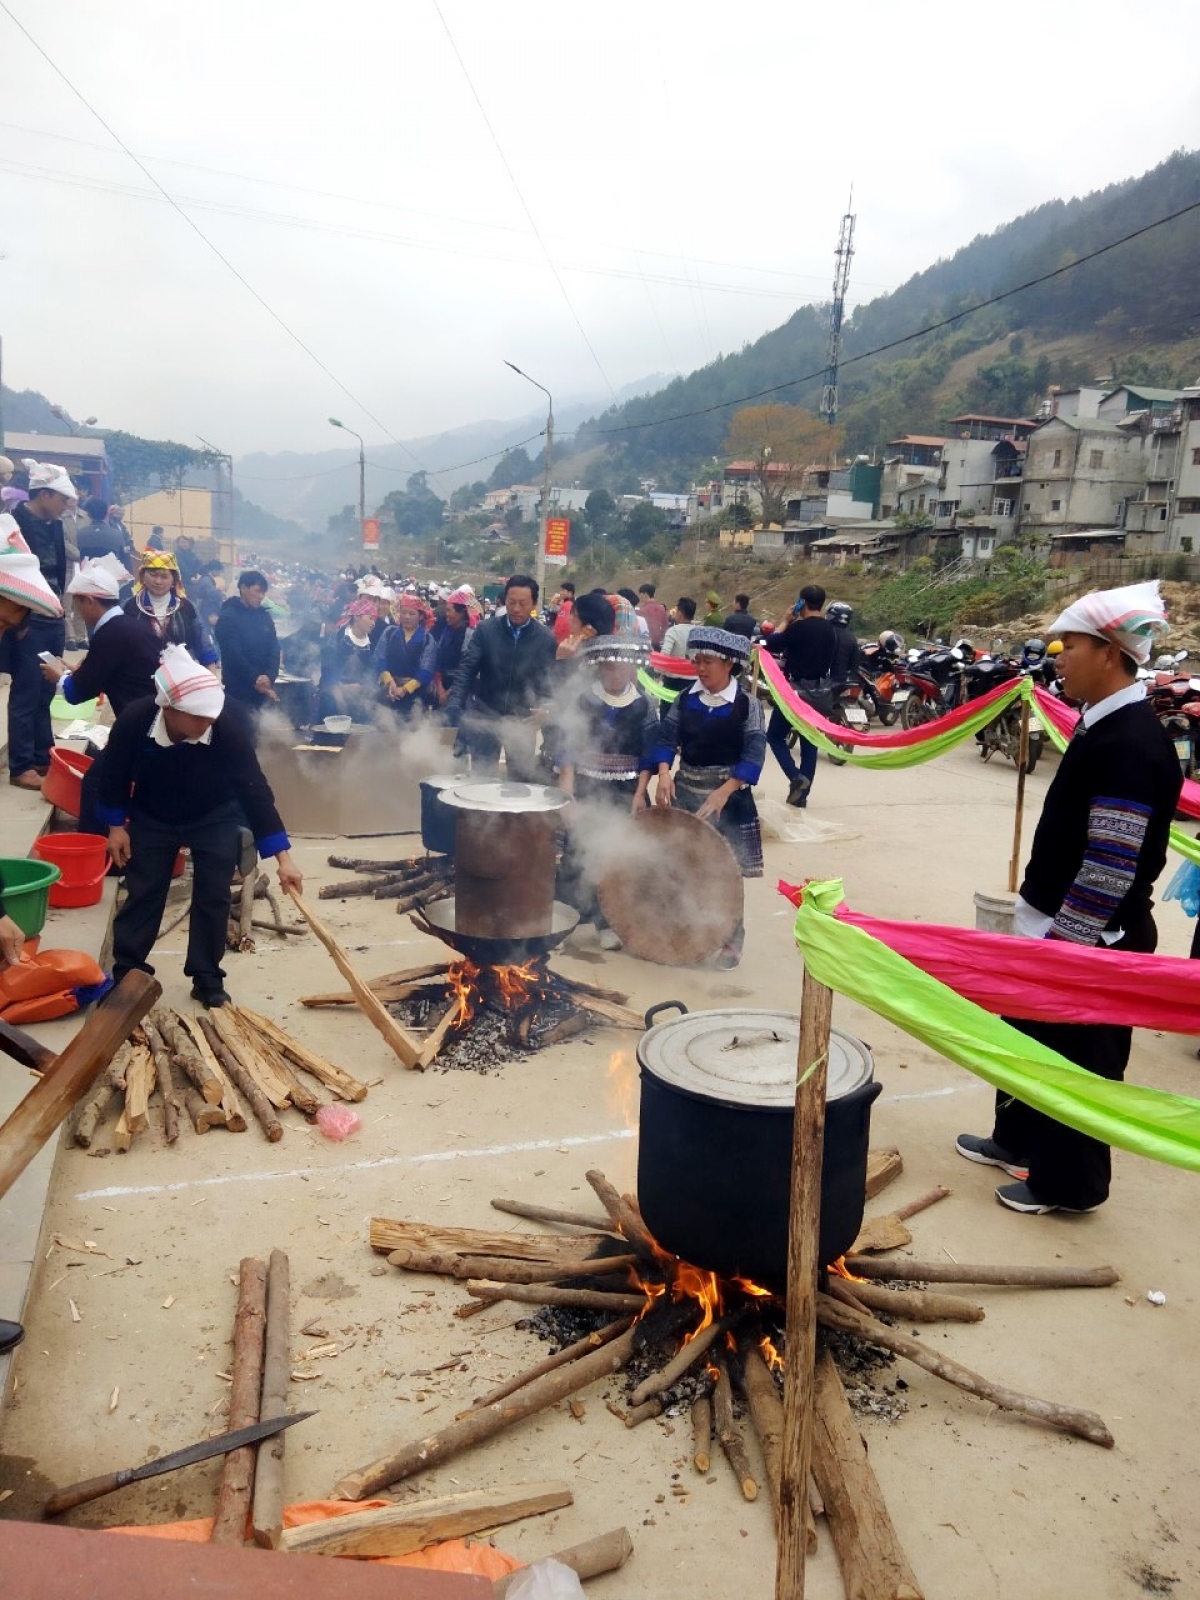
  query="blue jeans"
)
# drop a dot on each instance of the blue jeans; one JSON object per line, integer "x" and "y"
{"x": 777, "y": 731}
{"x": 30, "y": 736}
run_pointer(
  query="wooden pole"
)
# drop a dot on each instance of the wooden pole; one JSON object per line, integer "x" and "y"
{"x": 277, "y": 1374}
{"x": 36, "y": 1117}
{"x": 237, "y": 1474}
{"x": 804, "y": 1223}
{"x": 1014, "y": 865}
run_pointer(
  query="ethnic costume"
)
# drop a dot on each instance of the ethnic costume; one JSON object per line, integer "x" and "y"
{"x": 170, "y": 618}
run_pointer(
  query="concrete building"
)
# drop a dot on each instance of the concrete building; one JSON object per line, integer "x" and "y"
{"x": 83, "y": 457}
{"x": 1130, "y": 397}
{"x": 1080, "y": 474}
{"x": 1071, "y": 403}
{"x": 975, "y": 425}
{"x": 916, "y": 459}
{"x": 1185, "y": 517}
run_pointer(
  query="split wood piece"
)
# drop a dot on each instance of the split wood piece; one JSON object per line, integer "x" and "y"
{"x": 385, "y": 981}
{"x": 237, "y": 1473}
{"x": 1084, "y": 1424}
{"x": 597, "y": 991}
{"x": 609, "y": 1011}
{"x": 874, "y": 1566}
{"x": 166, "y": 1079}
{"x": 262, "y": 1050}
{"x": 608, "y": 1552}
{"x": 235, "y": 1117}
{"x": 262, "y": 1108}
{"x": 648, "y": 1410}
{"x": 189, "y": 1059}
{"x": 140, "y": 1078}
{"x": 915, "y": 1305}
{"x": 702, "y": 1429}
{"x": 435, "y": 1040}
{"x": 333, "y": 1077}
{"x": 888, "y": 1232}
{"x": 385, "y": 1234}
{"x": 545, "y": 1294}
{"x": 243, "y": 1047}
{"x": 277, "y": 1376}
{"x": 963, "y": 1272}
{"x": 883, "y": 1167}
{"x": 730, "y": 1435}
{"x": 401, "y": 1042}
{"x": 58, "y": 1090}
{"x": 203, "y": 1116}
{"x": 581, "y": 1347}
{"x": 566, "y": 1028}
{"x": 449, "y": 1264}
{"x": 766, "y": 1413}
{"x": 349, "y": 888}
{"x": 399, "y": 1530}
{"x": 111, "y": 1085}
{"x": 683, "y": 1361}
{"x": 425, "y": 1454}
{"x": 628, "y": 1223}
{"x": 572, "y": 1219}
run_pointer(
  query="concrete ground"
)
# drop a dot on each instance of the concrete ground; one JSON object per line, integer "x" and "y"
{"x": 986, "y": 1506}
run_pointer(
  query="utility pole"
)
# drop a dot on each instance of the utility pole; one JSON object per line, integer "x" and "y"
{"x": 540, "y": 563}
{"x": 362, "y": 477}
{"x": 833, "y": 349}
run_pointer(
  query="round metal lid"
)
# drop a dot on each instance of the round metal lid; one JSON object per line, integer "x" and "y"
{"x": 747, "y": 1057}
{"x": 442, "y": 780}
{"x": 504, "y": 797}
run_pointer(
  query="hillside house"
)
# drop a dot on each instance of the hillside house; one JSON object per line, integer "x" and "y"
{"x": 1080, "y": 473}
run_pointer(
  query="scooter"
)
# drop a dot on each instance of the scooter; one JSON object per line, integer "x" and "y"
{"x": 850, "y": 712}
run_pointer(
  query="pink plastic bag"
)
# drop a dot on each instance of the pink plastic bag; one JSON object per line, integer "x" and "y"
{"x": 338, "y": 1122}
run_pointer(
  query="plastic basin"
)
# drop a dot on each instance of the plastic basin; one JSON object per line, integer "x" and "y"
{"x": 82, "y": 858}
{"x": 62, "y": 711}
{"x": 27, "y": 886}
{"x": 63, "y": 784}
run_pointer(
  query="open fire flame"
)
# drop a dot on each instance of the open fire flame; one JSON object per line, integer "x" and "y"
{"x": 510, "y": 987}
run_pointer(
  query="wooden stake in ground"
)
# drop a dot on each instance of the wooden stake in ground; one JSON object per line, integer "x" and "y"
{"x": 804, "y": 1220}
{"x": 277, "y": 1375}
{"x": 399, "y": 1530}
{"x": 869, "y": 1553}
{"x": 401, "y": 1042}
{"x": 237, "y": 1474}
{"x": 166, "y": 1079}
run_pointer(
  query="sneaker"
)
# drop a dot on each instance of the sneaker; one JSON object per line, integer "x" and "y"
{"x": 211, "y": 999}
{"x": 973, "y": 1147}
{"x": 609, "y": 940}
{"x": 1020, "y": 1197}
{"x": 798, "y": 791}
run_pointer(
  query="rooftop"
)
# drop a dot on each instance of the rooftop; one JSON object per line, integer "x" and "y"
{"x": 1143, "y": 393}
{"x": 1004, "y": 422}
{"x": 918, "y": 438}
{"x": 53, "y": 444}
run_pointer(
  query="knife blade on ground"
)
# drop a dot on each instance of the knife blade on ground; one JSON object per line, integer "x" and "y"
{"x": 78, "y": 1494}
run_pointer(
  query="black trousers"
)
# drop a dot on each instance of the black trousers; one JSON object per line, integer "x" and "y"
{"x": 1068, "y": 1168}
{"x": 213, "y": 842}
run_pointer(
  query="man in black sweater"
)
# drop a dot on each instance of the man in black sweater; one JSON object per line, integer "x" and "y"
{"x": 30, "y": 735}
{"x": 807, "y": 647}
{"x": 248, "y": 644}
{"x": 122, "y": 655}
{"x": 1099, "y": 846}
{"x": 502, "y": 687}
{"x": 740, "y": 621}
{"x": 180, "y": 770}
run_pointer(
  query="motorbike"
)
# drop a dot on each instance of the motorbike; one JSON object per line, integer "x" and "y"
{"x": 848, "y": 709}
{"x": 1175, "y": 700}
{"x": 1003, "y": 733}
{"x": 884, "y": 692}
{"x": 935, "y": 680}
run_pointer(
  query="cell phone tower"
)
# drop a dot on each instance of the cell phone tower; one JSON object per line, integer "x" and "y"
{"x": 833, "y": 350}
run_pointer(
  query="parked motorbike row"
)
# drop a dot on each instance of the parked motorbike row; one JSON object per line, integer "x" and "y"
{"x": 1175, "y": 698}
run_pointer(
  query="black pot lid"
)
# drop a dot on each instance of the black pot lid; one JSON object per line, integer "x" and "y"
{"x": 443, "y": 780}
{"x": 504, "y": 797}
{"x": 747, "y": 1057}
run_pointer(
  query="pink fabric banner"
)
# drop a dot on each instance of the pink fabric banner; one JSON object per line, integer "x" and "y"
{"x": 1042, "y": 980}
{"x": 1064, "y": 718}
{"x": 672, "y": 666}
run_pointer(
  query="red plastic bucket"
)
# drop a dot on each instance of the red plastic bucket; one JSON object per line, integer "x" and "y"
{"x": 82, "y": 858}
{"x": 62, "y": 786}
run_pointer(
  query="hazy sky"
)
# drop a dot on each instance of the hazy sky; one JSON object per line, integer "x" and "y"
{"x": 685, "y": 167}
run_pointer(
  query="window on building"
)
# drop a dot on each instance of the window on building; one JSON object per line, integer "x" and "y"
{"x": 1095, "y": 459}
{"x": 1057, "y": 462}
{"x": 1188, "y": 508}
{"x": 1196, "y": 458}
{"x": 1056, "y": 505}
{"x": 1002, "y": 508}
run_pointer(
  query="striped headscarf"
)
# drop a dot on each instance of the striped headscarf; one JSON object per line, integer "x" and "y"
{"x": 183, "y": 684}
{"x": 1131, "y": 618}
{"x": 21, "y": 575}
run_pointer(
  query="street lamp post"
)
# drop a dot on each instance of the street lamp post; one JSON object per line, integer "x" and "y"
{"x": 57, "y": 411}
{"x": 362, "y": 477}
{"x": 540, "y": 563}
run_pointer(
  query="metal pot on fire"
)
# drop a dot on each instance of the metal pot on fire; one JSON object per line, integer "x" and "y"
{"x": 715, "y": 1149}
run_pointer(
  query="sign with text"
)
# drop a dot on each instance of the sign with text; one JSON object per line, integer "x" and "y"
{"x": 558, "y": 539}
{"x": 370, "y": 533}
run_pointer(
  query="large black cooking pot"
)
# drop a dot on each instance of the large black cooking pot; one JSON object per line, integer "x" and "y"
{"x": 437, "y": 820}
{"x": 715, "y": 1150}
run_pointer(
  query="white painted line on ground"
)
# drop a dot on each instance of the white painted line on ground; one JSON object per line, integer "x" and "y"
{"x": 428, "y": 1158}
{"x": 930, "y": 1094}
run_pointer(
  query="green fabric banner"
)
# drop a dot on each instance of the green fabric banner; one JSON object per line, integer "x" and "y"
{"x": 1149, "y": 1122}
{"x": 652, "y": 686}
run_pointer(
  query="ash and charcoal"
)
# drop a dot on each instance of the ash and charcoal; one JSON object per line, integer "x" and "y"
{"x": 493, "y": 1036}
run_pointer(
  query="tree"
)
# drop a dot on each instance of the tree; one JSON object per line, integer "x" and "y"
{"x": 645, "y": 522}
{"x": 139, "y": 465}
{"x": 599, "y": 510}
{"x": 344, "y": 523}
{"x": 514, "y": 466}
{"x": 415, "y": 509}
{"x": 780, "y": 442}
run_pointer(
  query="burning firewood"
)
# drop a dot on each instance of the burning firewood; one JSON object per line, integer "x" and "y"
{"x": 668, "y": 1376}
{"x": 960, "y": 1272}
{"x": 624, "y": 1218}
{"x": 547, "y": 1294}
{"x": 450, "y": 1264}
{"x": 702, "y": 1428}
{"x": 913, "y": 1305}
{"x": 581, "y": 1347}
{"x": 730, "y": 1435}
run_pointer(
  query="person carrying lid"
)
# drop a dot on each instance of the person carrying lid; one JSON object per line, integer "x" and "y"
{"x": 717, "y": 731}
{"x": 39, "y": 518}
{"x": 1100, "y": 844}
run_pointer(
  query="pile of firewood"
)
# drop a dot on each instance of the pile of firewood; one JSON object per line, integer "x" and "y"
{"x": 206, "y": 1066}
{"x": 409, "y": 883}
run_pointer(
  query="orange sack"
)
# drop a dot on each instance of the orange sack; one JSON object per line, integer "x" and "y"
{"x": 49, "y": 983}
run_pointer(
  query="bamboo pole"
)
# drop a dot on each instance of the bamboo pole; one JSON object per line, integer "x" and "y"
{"x": 804, "y": 1220}
{"x": 1014, "y": 865}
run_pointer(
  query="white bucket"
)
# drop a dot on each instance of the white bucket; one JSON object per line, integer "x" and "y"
{"x": 994, "y": 913}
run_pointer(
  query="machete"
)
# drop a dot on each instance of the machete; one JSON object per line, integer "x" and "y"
{"x": 79, "y": 1494}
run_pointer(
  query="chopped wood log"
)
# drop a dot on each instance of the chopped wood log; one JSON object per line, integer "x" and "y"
{"x": 187, "y": 1057}
{"x": 296, "y": 1093}
{"x": 426, "y": 1454}
{"x": 399, "y": 1530}
{"x": 452, "y": 1264}
{"x": 235, "y": 1117}
{"x": 572, "y": 1219}
{"x": 237, "y": 1473}
{"x": 624, "y": 1217}
{"x": 766, "y": 1413}
{"x": 262, "y": 1108}
{"x": 915, "y": 1305}
{"x": 608, "y": 1552}
{"x": 1084, "y": 1424}
{"x": 111, "y": 1085}
{"x": 277, "y": 1376}
{"x": 644, "y": 1413}
{"x": 923, "y": 1204}
{"x": 546, "y": 1294}
{"x": 386, "y": 1234}
{"x": 873, "y": 1563}
{"x": 243, "y": 1048}
{"x": 730, "y": 1435}
{"x": 618, "y": 1016}
{"x": 332, "y": 1076}
{"x": 963, "y": 1272}
{"x": 702, "y": 1428}
{"x": 202, "y": 1114}
{"x": 122, "y": 1133}
{"x": 883, "y": 1167}
{"x": 405, "y": 888}
{"x": 349, "y": 888}
{"x": 596, "y": 990}
{"x": 581, "y": 1347}
{"x": 166, "y": 1079}
{"x": 436, "y": 1039}
{"x": 576, "y": 1022}
{"x": 365, "y": 864}
{"x": 683, "y": 1360}
{"x": 284, "y": 929}
{"x": 140, "y": 1079}
{"x": 57, "y": 1091}
{"x": 401, "y": 1042}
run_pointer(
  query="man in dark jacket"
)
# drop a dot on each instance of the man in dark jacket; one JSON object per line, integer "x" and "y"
{"x": 122, "y": 655}
{"x": 248, "y": 645}
{"x": 740, "y": 621}
{"x": 807, "y": 646}
{"x": 502, "y": 686}
{"x": 30, "y": 735}
{"x": 180, "y": 770}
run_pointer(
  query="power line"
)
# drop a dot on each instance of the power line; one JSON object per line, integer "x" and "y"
{"x": 907, "y": 338}
{"x": 378, "y": 466}
{"x": 201, "y": 235}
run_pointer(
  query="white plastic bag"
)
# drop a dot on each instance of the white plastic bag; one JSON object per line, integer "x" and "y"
{"x": 546, "y": 1580}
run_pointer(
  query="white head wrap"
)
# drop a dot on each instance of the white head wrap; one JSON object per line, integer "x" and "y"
{"x": 49, "y": 475}
{"x": 1131, "y": 618}
{"x": 21, "y": 574}
{"x": 182, "y": 683}
{"x": 95, "y": 579}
